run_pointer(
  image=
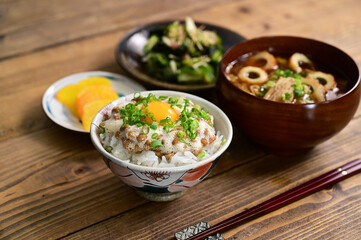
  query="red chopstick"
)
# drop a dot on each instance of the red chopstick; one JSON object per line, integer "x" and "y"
{"x": 285, "y": 198}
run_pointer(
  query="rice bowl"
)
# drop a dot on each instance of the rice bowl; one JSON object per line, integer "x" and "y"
{"x": 164, "y": 131}
{"x": 154, "y": 177}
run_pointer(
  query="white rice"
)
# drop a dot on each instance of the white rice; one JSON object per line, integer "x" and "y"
{"x": 148, "y": 158}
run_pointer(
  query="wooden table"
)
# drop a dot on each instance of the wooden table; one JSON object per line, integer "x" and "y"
{"x": 53, "y": 183}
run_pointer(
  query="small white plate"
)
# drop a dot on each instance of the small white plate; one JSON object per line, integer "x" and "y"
{"x": 62, "y": 116}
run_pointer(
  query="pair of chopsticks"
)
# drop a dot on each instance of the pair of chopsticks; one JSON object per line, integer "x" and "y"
{"x": 285, "y": 198}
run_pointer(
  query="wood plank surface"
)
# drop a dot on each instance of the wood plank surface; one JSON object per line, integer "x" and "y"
{"x": 54, "y": 184}
{"x": 248, "y": 185}
{"x": 69, "y": 186}
{"x": 60, "y": 181}
{"x": 51, "y": 23}
{"x": 28, "y": 76}
{"x": 24, "y": 29}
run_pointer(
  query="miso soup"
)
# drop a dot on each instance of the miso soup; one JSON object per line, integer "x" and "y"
{"x": 290, "y": 79}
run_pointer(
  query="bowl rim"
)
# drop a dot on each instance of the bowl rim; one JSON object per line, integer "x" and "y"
{"x": 96, "y": 141}
{"x": 146, "y": 79}
{"x": 309, "y": 105}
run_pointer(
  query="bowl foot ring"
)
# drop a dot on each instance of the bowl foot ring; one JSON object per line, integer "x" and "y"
{"x": 159, "y": 197}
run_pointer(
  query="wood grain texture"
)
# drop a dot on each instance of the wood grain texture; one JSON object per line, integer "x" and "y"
{"x": 59, "y": 183}
{"x": 41, "y": 24}
{"x": 28, "y": 76}
{"x": 47, "y": 23}
{"x": 65, "y": 188}
{"x": 248, "y": 185}
{"x": 53, "y": 183}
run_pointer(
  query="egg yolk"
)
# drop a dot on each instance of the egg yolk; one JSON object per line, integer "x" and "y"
{"x": 160, "y": 110}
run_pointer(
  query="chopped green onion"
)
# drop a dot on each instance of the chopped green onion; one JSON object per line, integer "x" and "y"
{"x": 205, "y": 116}
{"x": 273, "y": 77}
{"x": 205, "y": 109}
{"x": 166, "y": 128}
{"x": 154, "y": 125}
{"x": 279, "y": 72}
{"x": 184, "y": 141}
{"x": 286, "y": 73}
{"x": 109, "y": 149}
{"x": 151, "y": 97}
{"x": 297, "y": 76}
{"x": 167, "y": 119}
{"x": 201, "y": 154}
{"x": 137, "y": 95}
{"x": 125, "y": 122}
{"x": 162, "y": 98}
{"x": 286, "y": 96}
{"x": 270, "y": 84}
{"x": 150, "y": 115}
{"x": 155, "y": 143}
{"x": 143, "y": 101}
{"x": 131, "y": 115}
{"x": 223, "y": 141}
{"x": 135, "y": 114}
{"x": 180, "y": 134}
{"x": 172, "y": 100}
{"x": 262, "y": 91}
{"x": 298, "y": 84}
{"x": 193, "y": 115}
{"x": 194, "y": 124}
{"x": 196, "y": 110}
{"x": 298, "y": 92}
{"x": 192, "y": 135}
{"x": 186, "y": 103}
{"x": 145, "y": 129}
{"x": 197, "y": 106}
{"x": 101, "y": 129}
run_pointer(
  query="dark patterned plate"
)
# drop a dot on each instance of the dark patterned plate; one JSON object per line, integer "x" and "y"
{"x": 129, "y": 52}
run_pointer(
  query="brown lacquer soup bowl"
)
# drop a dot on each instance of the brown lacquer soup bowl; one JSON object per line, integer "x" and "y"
{"x": 285, "y": 128}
